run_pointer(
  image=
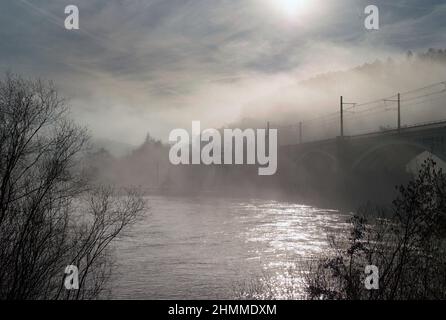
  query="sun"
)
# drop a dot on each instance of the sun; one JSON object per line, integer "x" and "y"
{"x": 290, "y": 7}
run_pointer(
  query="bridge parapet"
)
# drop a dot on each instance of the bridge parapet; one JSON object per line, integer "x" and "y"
{"x": 357, "y": 152}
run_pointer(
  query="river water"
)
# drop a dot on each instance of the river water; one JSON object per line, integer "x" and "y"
{"x": 211, "y": 248}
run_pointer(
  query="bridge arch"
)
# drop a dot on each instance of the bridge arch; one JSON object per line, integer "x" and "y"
{"x": 332, "y": 160}
{"x": 413, "y": 149}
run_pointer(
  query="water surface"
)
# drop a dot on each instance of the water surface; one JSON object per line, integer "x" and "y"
{"x": 202, "y": 248}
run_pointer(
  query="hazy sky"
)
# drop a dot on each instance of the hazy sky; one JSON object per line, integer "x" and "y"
{"x": 153, "y": 65}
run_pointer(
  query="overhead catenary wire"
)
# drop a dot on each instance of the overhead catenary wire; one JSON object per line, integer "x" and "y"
{"x": 381, "y": 105}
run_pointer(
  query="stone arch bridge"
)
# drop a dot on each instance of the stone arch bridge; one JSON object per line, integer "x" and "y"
{"x": 391, "y": 149}
{"x": 373, "y": 162}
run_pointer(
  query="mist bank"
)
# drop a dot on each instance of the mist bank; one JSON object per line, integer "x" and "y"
{"x": 148, "y": 165}
{"x": 315, "y": 101}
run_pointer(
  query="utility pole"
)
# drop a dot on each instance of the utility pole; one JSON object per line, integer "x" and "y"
{"x": 267, "y": 136}
{"x": 342, "y": 117}
{"x": 300, "y": 132}
{"x": 398, "y": 101}
{"x": 399, "y": 113}
{"x": 157, "y": 174}
{"x": 342, "y": 113}
{"x": 267, "y": 130}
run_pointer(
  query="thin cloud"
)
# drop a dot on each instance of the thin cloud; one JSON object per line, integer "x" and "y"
{"x": 138, "y": 66}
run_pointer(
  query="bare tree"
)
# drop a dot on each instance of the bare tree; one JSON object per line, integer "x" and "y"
{"x": 408, "y": 246}
{"x": 50, "y": 216}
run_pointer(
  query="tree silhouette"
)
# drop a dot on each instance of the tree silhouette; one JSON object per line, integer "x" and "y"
{"x": 50, "y": 216}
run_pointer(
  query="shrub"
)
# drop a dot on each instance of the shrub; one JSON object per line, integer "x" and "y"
{"x": 407, "y": 244}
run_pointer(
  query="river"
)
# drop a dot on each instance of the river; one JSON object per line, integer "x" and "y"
{"x": 209, "y": 248}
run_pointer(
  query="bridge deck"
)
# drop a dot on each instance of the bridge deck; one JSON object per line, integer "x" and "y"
{"x": 404, "y": 130}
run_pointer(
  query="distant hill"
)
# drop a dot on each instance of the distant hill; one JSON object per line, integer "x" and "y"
{"x": 382, "y": 70}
